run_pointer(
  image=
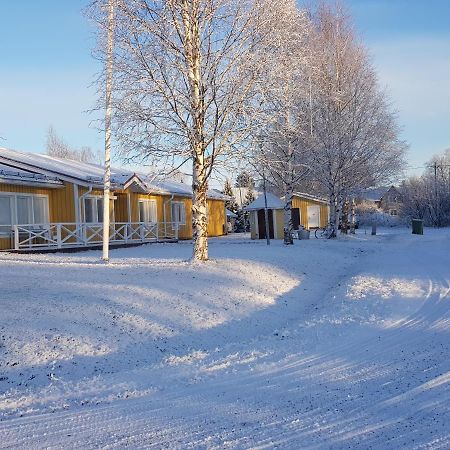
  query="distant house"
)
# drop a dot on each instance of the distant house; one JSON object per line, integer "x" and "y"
{"x": 307, "y": 211}
{"x": 371, "y": 195}
{"x": 387, "y": 199}
{"x": 391, "y": 201}
{"x": 47, "y": 202}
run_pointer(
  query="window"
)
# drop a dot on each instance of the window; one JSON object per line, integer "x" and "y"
{"x": 40, "y": 210}
{"x": 21, "y": 209}
{"x": 24, "y": 210}
{"x": 147, "y": 211}
{"x": 178, "y": 213}
{"x": 93, "y": 209}
{"x": 5, "y": 214}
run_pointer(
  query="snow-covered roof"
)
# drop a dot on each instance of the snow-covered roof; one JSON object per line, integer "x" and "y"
{"x": 12, "y": 175}
{"x": 92, "y": 174}
{"x": 86, "y": 173}
{"x": 273, "y": 202}
{"x": 230, "y": 213}
{"x": 372, "y": 194}
{"x": 310, "y": 197}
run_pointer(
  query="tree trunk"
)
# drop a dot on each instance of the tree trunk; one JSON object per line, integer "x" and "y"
{"x": 199, "y": 212}
{"x": 190, "y": 13}
{"x": 108, "y": 115}
{"x": 353, "y": 217}
{"x": 336, "y": 221}
{"x": 288, "y": 217}
{"x": 344, "y": 215}
{"x": 334, "y": 214}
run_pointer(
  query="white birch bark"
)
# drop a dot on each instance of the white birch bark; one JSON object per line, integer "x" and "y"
{"x": 284, "y": 113}
{"x": 185, "y": 76}
{"x": 354, "y": 141}
{"x": 287, "y": 215}
{"x": 352, "y": 216}
{"x": 108, "y": 115}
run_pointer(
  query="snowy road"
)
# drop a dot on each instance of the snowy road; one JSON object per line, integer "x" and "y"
{"x": 323, "y": 345}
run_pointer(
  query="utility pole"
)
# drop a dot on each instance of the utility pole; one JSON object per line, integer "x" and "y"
{"x": 108, "y": 115}
{"x": 436, "y": 202}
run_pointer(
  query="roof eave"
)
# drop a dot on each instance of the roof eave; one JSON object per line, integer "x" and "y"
{"x": 21, "y": 182}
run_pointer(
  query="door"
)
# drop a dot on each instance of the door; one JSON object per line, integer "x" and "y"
{"x": 295, "y": 217}
{"x": 262, "y": 226}
{"x": 313, "y": 216}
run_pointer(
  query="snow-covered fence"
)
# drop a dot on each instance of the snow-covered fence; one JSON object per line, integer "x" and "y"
{"x": 72, "y": 235}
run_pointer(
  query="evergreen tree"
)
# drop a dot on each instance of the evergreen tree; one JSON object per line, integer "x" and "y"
{"x": 231, "y": 205}
{"x": 249, "y": 197}
{"x": 245, "y": 180}
{"x": 243, "y": 222}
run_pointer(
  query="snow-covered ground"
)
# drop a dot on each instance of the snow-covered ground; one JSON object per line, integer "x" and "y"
{"x": 320, "y": 345}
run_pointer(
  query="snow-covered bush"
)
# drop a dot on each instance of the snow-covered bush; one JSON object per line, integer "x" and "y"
{"x": 368, "y": 214}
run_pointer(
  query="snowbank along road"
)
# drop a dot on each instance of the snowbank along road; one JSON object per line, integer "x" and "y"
{"x": 320, "y": 345}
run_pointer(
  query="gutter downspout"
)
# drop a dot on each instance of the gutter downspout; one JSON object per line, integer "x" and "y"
{"x": 164, "y": 213}
{"x": 81, "y": 199}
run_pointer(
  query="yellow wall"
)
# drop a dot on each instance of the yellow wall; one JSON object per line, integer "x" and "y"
{"x": 60, "y": 200}
{"x": 278, "y": 224}
{"x": 62, "y": 208}
{"x": 297, "y": 202}
{"x": 60, "y": 203}
{"x": 279, "y": 221}
{"x": 302, "y": 204}
{"x": 216, "y": 210}
{"x": 216, "y": 218}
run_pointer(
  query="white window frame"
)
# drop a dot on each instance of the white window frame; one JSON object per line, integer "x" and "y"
{"x": 153, "y": 208}
{"x": 182, "y": 212}
{"x": 13, "y": 205}
{"x": 95, "y": 208}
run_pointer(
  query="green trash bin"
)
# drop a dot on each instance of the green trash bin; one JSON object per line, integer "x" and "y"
{"x": 417, "y": 226}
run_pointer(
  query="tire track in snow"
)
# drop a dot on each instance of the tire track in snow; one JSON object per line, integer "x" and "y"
{"x": 376, "y": 392}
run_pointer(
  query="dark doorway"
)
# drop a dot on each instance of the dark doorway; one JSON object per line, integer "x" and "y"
{"x": 295, "y": 217}
{"x": 262, "y": 226}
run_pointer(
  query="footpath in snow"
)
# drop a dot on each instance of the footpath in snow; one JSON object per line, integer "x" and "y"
{"x": 323, "y": 344}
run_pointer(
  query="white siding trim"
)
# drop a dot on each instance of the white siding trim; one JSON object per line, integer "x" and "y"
{"x": 129, "y": 206}
{"x": 76, "y": 199}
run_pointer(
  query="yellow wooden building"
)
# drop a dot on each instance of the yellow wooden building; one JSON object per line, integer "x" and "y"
{"x": 307, "y": 211}
{"x": 47, "y": 202}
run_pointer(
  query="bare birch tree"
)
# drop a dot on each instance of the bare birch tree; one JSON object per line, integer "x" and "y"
{"x": 354, "y": 141}
{"x": 278, "y": 150}
{"x": 184, "y": 70}
{"x": 428, "y": 197}
{"x": 58, "y": 147}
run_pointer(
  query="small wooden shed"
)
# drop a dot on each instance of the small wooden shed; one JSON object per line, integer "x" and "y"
{"x": 313, "y": 212}
{"x": 307, "y": 211}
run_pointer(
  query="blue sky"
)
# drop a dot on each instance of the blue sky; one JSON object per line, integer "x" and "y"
{"x": 46, "y": 70}
{"x": 410, "y": 45}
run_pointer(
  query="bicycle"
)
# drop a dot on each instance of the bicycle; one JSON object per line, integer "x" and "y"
{"x": 325, "y": 233}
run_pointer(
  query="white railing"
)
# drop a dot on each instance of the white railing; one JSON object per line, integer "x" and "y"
{"x": 64, "y": 235}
